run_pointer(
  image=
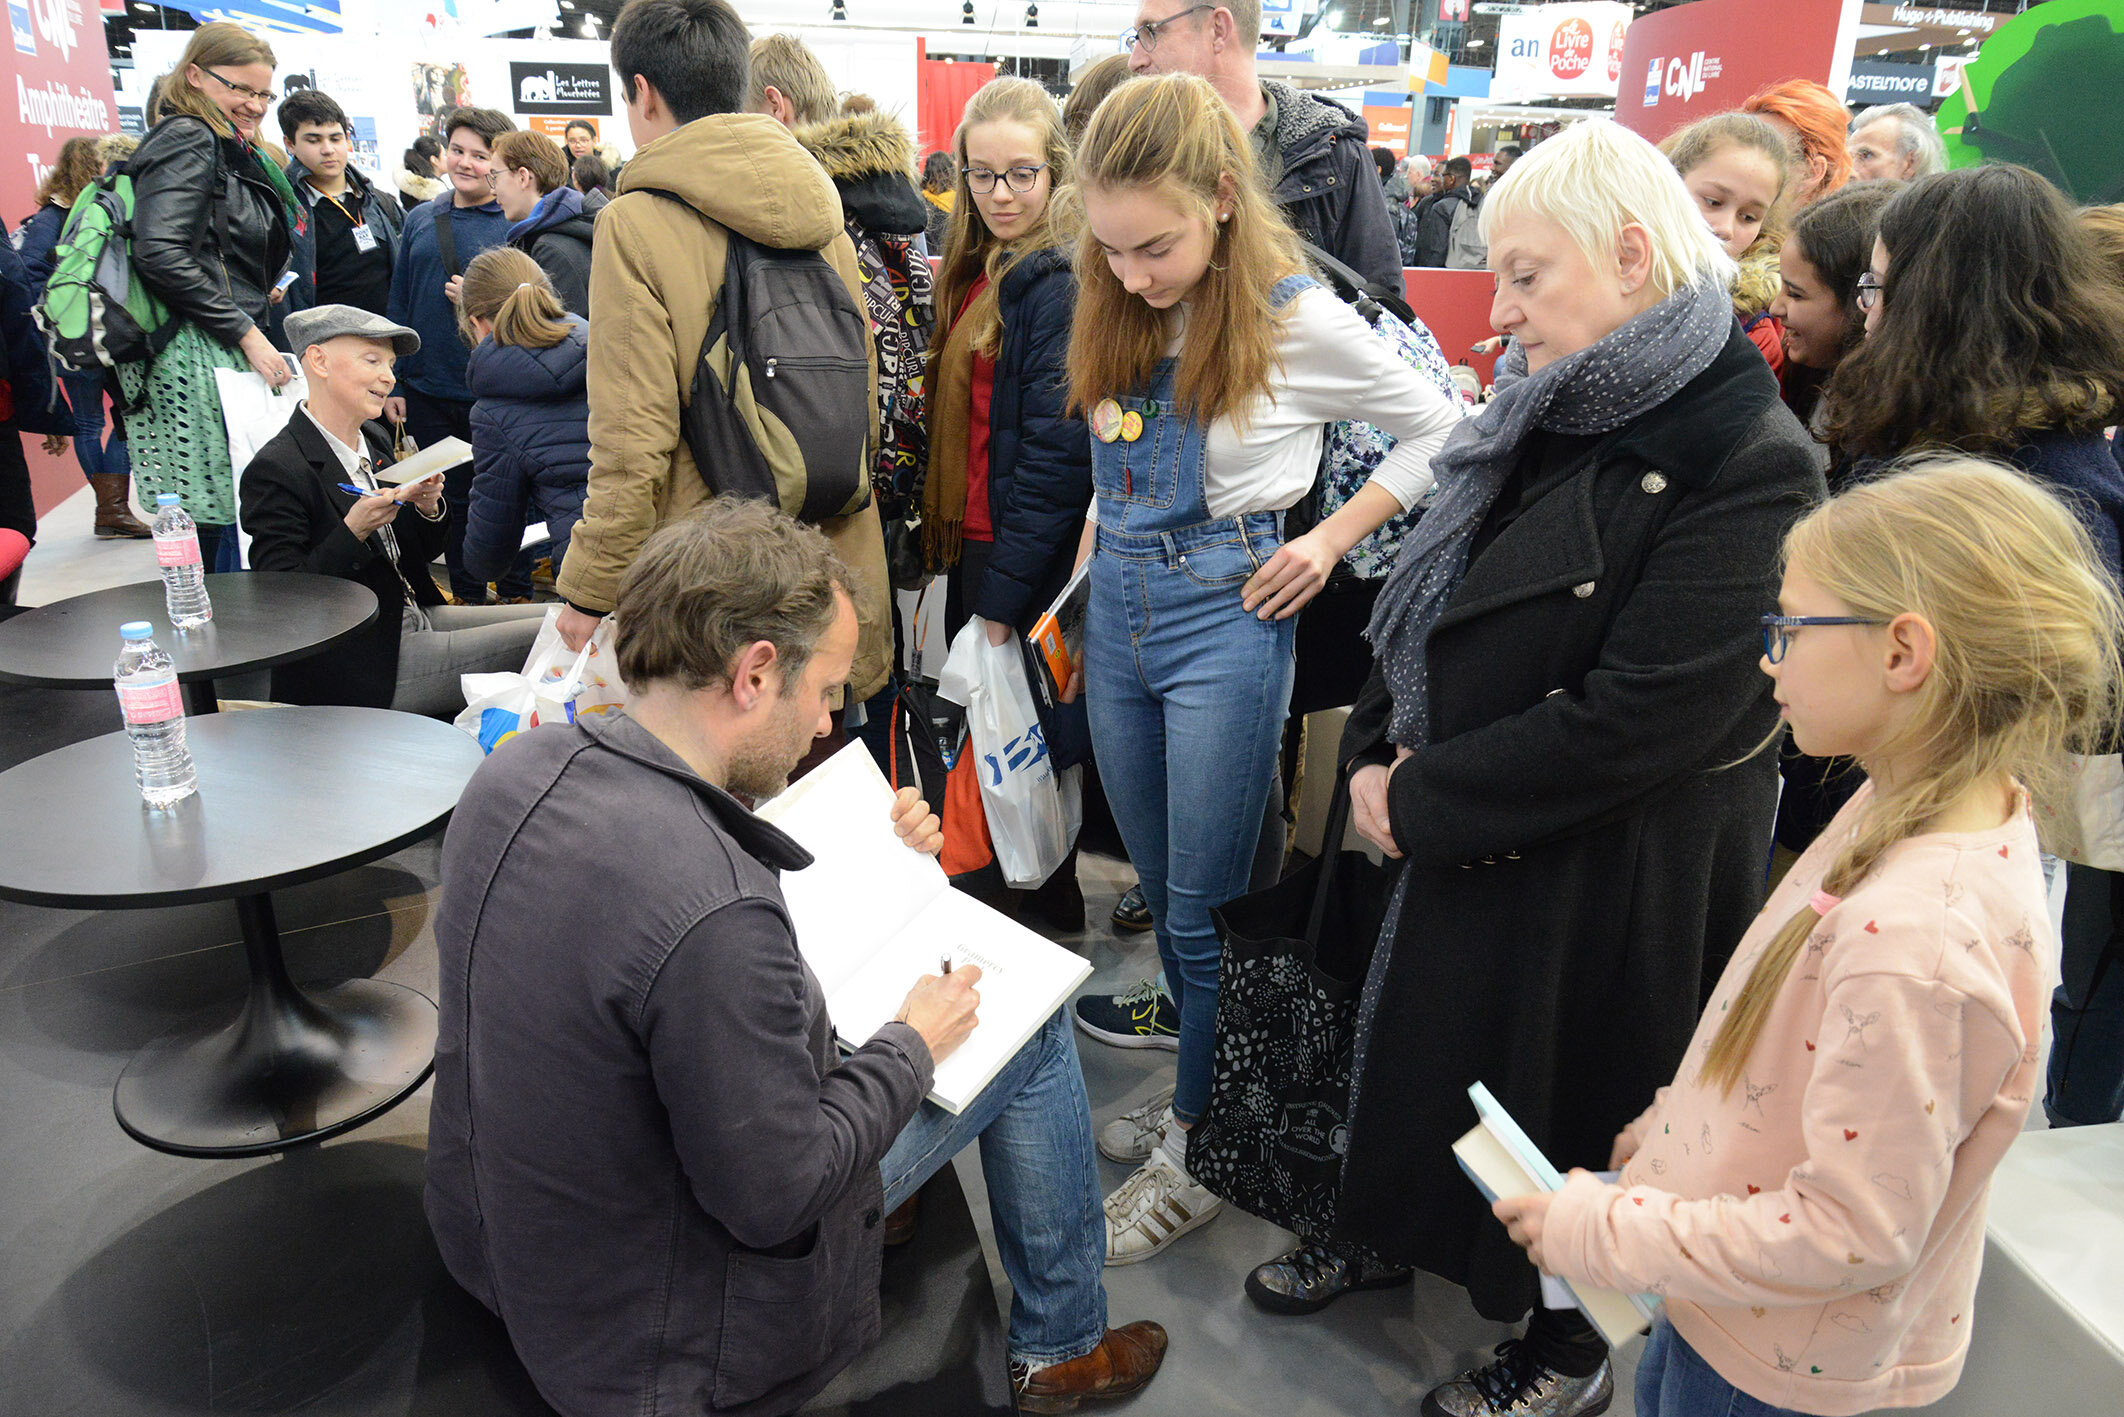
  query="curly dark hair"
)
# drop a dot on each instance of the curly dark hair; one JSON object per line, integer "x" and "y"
{"x": 1997, "y": 323}
{"x": 1835, "y": 236}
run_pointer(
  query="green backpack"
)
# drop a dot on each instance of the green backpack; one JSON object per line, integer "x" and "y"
{"x": 96, "y": 312}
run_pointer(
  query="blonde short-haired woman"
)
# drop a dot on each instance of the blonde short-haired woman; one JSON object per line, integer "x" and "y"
{"x": 1566, "y": 666}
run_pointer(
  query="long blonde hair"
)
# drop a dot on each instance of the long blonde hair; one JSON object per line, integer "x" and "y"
{"x": 2028, "y": 626}
{"x": 219, "y": 45}
{"x": 1172, "y": 134}
{"x": 971, "y": 249}
{"x": 507, "y": 287}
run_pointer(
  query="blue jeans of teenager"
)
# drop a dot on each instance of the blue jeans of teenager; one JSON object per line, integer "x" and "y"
{"x": 1187, "y": 692}
{"x": 1673, "y": 1380}
{"x": 84, "y": 394}
{"x": 1034, "y": 1126}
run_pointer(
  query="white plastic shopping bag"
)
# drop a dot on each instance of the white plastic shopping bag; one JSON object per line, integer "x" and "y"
{"x": 1033, "y": 810}
{"x": 254, "y": 412}
{"x": 556, "y": 685}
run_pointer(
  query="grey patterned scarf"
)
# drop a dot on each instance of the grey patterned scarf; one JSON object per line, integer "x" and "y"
{"x": 1631, "y": 370}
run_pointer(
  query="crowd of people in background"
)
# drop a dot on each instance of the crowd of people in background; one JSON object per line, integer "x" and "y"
{"x": 1726, "y": 663}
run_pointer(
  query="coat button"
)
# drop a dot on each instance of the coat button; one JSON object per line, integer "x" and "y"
{"x": 1583, "y": 589}
{"x": 870, "y": 1218}
{"x": 1654, "y": 482}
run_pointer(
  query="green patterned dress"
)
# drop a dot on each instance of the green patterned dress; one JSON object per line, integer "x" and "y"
{"x": 178, "y": 441}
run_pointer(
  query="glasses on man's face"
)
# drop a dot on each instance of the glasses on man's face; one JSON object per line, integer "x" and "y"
{"x": 245, "y": 90}
{"x": 1020, "y": 179}
{"x": 1777, "y": 630}
{"x": 1869, "y": 291}
{"x": 1146, "y": 34}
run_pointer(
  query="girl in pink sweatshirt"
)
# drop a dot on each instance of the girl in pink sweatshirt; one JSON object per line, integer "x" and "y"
{"x": 1808, "y": 1194}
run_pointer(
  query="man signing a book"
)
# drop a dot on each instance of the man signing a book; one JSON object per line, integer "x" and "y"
{"x": 645, "y": 1152}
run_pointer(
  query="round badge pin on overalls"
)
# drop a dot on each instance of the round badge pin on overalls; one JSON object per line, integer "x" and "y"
{"x": 1106, "y": 420}
{"x": 1131, "y": 426}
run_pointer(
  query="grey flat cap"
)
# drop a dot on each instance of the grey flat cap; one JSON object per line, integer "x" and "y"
{"x": 323, "y": 322}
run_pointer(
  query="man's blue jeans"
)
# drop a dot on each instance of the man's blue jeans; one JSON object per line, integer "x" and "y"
{"x": 1034, "y": 1125}
{"x": 1673, "y": 1380}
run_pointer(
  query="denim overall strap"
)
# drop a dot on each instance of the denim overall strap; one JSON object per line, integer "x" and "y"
{"x": 1284, "y": 291}
{"x": 1155, "y": 481}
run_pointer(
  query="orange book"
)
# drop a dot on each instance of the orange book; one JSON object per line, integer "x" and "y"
{"x": 1059, "y": 633}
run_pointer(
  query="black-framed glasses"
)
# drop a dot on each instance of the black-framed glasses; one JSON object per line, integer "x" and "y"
{"x": 1777, "y": 630}
{"x": 1021, "y": 179}
{"x": 262, "y": 95}
{"x": 1146, "y": 34}
{"x": 1869, "y": 291}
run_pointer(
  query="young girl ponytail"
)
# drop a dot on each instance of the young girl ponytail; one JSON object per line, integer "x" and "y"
{"x": 507, "y": 288}
{"x": 2028, "y": 626}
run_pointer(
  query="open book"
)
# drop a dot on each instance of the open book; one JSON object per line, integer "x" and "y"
{"x": 440, "y": 458}
{"x": 1501, "y": 1161}
{"x": 872, "y": 917}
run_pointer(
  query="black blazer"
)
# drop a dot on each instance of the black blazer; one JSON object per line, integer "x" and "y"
{"x": 296, "y": 515}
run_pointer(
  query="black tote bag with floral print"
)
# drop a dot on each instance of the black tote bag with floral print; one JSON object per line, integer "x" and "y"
{"x": 1272, "y": 1139}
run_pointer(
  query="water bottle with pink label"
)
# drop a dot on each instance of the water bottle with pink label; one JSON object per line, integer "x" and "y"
{"x": 154, "y": 717}
{"x": 183, "y": 574}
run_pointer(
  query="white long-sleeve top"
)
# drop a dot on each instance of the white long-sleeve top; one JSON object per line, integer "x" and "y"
{"x": 1334, "y": 366}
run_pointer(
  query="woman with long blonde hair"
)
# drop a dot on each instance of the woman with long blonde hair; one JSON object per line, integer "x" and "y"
{"x": 1009, "y": 472}
{"x": 1208, "y": 365}
{"x": 1808, "y": 1194}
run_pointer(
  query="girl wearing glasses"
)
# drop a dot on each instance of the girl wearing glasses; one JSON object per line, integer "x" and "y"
{"x": 1990, "y": 328}
{"x": 212, "y": 212}
{"x": 1009, "y": 470}
{"x": 1808, "y": 1194}
{"x": 1207, "y": 365}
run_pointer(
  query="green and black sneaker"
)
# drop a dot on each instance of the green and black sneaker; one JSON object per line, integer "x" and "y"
{"x": 1144, "y": 1017}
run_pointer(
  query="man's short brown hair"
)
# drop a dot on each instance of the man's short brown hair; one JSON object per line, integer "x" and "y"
{"x": 1246, "y": 19}
{"x": 788, "y": 65}
{"x": 709, "y": 585}
{"x": 535, "y": 152}
{"x": 486, "y": 122}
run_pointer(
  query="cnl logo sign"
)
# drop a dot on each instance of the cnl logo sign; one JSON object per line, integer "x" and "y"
{"x": 1680, "y": 78}
{"x": 58, "y": 21}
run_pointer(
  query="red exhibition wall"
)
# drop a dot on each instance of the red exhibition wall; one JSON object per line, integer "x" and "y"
{"x": 1681, "y": 64}
{"x": 942, "y": 87}
{"x": 1455, "y": 305}
{"x": 62, "y": 88}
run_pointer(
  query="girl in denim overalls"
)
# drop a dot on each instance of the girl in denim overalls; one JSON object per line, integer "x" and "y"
{"x": 1207, "y": 365}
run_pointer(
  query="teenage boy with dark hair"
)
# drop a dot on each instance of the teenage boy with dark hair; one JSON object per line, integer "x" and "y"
{"x": 348, "y": 239}
{"x": 703, "y": 166}
{"x": 441, "y": 238}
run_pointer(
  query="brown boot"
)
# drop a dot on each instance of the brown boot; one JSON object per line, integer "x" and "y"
{"x": 1125, "y": 1360}
{"x": 113, "y": 517}
{"x": 900, "y": 1225}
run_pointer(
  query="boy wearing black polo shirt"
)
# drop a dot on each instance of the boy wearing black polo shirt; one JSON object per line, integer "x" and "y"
{"x": 348, "y": 238}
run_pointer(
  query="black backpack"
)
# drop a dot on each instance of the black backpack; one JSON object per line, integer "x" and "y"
{"x": 780, "y": 406}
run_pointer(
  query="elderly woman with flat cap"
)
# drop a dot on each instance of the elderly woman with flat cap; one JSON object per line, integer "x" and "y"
{"x": 1565, "y": 678}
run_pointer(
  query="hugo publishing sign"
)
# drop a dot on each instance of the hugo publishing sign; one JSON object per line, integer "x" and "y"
{"x": 560, "y": 88}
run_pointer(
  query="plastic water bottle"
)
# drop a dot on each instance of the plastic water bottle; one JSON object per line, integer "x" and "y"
{"x": 154, "y": 716}
{"x": 183, "y": 574}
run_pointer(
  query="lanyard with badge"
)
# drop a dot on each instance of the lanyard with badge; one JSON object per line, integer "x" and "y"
{"x": 364, "y": 239}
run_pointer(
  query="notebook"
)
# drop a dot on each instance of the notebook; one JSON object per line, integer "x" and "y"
{"x": 440, "y": 458}
{"x": 1501, "y": 1161}
{"x": 873, "y": 916}
{"x": 1059, "y": 633}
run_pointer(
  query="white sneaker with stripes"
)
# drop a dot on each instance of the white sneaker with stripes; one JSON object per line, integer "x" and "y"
{"x": 1153, "y": 1208}
{"x": 1129, "y": 1138}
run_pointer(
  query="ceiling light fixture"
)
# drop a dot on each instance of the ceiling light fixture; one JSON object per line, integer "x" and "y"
{"x": 840, "y": 10}
{"x": 1032, "y": 17}
{"x": 966, "y": 15}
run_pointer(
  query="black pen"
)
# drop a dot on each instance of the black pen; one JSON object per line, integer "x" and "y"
{"x": 945, "y": 961}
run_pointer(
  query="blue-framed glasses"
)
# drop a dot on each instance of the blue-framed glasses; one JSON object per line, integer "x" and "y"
{"x": 1777, "y": 630}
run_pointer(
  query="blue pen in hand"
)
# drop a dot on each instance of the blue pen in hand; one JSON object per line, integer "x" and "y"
{"x": 363, "y": 491}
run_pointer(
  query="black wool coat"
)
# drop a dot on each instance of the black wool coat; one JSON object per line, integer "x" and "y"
{"x": 1578, "y": 854}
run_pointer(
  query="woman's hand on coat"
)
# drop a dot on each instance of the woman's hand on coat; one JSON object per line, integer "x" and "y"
{"x": 1291, "y": 577}
{"x": 269, "y": 363}
{"x": 1368, "y": 806}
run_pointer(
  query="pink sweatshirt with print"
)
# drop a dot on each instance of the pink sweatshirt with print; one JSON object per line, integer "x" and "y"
{"x": 1817, "y": 1233}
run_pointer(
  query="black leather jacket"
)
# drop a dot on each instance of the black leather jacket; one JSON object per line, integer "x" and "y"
{"x": 210, "y": 233}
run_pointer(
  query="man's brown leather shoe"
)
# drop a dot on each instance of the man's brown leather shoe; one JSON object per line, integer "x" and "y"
{"x": 1124, "y": 1361}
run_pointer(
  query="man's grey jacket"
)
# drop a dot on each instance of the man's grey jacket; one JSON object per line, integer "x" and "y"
{"x": 645, "y": 1153}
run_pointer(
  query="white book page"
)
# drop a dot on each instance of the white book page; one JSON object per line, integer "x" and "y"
{"x": 440, "y": 458}
{"x": 864, "y": 885}
{"x": 1024, "y": 979}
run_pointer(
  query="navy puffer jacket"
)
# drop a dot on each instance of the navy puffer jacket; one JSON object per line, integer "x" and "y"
{"x": 530, "y": 447}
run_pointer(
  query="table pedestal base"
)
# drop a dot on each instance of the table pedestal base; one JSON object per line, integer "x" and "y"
{"x": 292, "y": 1067}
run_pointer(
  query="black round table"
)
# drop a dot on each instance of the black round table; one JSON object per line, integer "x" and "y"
{"x": 261, "y": 618}
{"x": 285, "y": 795}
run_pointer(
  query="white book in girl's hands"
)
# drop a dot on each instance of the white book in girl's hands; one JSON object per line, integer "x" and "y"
{"x": 872, "y": 917}
{"x": 1502, "y": 1161}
